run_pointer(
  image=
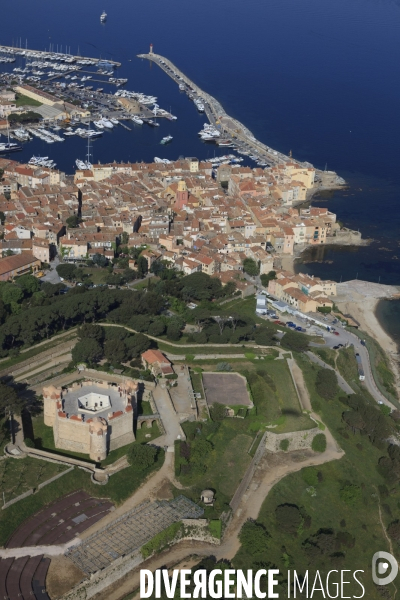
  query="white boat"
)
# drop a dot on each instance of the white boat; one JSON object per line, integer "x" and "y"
{"x": 103, "y": 16}
{"x": 99, "y": 124}
{"x": 137, "y": 120}
{"x": 158, "y": 160}
{"x": 114, "y": 121}
{"x": 107, "y": 123}
{"x": 166, "y": 139}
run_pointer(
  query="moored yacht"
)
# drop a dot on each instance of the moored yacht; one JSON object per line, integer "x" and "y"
{"x": 103, "y": 16}
{"x": 166, "y": 139}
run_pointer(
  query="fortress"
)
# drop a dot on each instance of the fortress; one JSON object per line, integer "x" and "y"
{"x": 91, "y": 417}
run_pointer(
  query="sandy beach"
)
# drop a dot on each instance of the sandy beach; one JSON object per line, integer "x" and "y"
{"x": 360, "y": 299}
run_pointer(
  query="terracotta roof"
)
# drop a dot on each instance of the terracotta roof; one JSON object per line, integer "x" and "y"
{"x": 10, "y": 263}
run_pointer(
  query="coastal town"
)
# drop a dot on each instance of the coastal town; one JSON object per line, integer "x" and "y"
{"x": 179, "y": 212}
{"x": 174, "y": 393}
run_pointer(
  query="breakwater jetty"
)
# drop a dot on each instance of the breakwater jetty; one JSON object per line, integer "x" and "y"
{"x": 233, "y": 129}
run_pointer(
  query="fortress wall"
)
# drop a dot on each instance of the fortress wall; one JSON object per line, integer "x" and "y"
{"x": 121, "y": 430}
{"x": 71, "y": 435}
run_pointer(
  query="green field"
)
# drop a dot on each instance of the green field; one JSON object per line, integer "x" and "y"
{"x": 339, "y": 502}
{"x": 274, "y": 397}
{"x": 22, "y": 100}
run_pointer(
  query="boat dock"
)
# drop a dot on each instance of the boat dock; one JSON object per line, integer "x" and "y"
{"x": 231, "y": 128}
{"x": 46, "y": 55}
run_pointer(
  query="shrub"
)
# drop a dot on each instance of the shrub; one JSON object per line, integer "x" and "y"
{"x": 223, "y": 366}
{"x": 310, "y": 476}
{"x": 29, "y": 443}
{"x": 284, "y": 445}
{"x": 350, "y": 494}
{"x": 319, "y": 443}
{"x": 142, "y": 456}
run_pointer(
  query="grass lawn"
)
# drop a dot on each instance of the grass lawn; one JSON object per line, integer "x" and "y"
{"x": 19, "y": 476}
{"x": 328, "y": 509}
{"x": 274, "y": 397}
{"x": 97, "y": 274}
{"x": 347, "y": 366}
{"x": 154, "y": 432}
{"x": 145, "y": 408}
{"x": 22, "y": 100}
{"x": 120, "y": 486}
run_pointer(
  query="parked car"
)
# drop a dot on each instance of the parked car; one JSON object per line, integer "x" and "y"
{"x": 335, "y": 333}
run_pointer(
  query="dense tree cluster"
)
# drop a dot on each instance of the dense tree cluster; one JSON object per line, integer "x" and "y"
{"x": 114, "y": 344}
{"x": 326, "y": 383}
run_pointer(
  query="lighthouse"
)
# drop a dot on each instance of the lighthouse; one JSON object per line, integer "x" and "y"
{"x": 151, "y": 48}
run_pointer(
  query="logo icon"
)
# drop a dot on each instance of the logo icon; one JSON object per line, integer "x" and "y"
{"x": 381, "y": 561}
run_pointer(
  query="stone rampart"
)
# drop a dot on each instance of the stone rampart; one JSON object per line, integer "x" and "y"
{"x": 298, "y": 440}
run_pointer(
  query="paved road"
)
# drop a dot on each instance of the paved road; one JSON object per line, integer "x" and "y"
{"x": 169, "y": 418}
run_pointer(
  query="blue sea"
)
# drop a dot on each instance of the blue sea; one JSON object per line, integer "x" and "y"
{"x": 318, "y": 77}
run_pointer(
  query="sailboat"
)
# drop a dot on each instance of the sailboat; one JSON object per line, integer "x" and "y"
{"x": 8, "y": 146}
{"x": 103, "y": 16}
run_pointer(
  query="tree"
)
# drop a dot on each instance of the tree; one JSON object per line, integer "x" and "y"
{"x": 200, "y": 286}
{"x": 115, "y": 351}
{"x": 251, "y": 267}
{"x": 156, "y": 328}
{"x": 100, "y": 260}
{"x": 9, "y": 400}
{"x": 140, "y": 323}
{"x": 124, "y": 238}
{"x": 28, "y": 284}
{"x": 253, "y": 537}
{"x": 298, "y": 342}
{"x": 354, "y": 420}
{"x": 142, "y": 266}
{"x": 11, "y": 293}
{"x": 264, "y": 335}
{"x": 288, "y": 518}
{"x": 137, "y": 344}
{"x": 142, "y": 457}
{"x": 326, "y": 383}
{"x": 267, "y": 277}
{"x": 73, "y": 221}
{"x": 93, "y": 331}
{"x": 88, "y": 351}
{"x": 173, "y": 331}
{"x": 66, "y": 271}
